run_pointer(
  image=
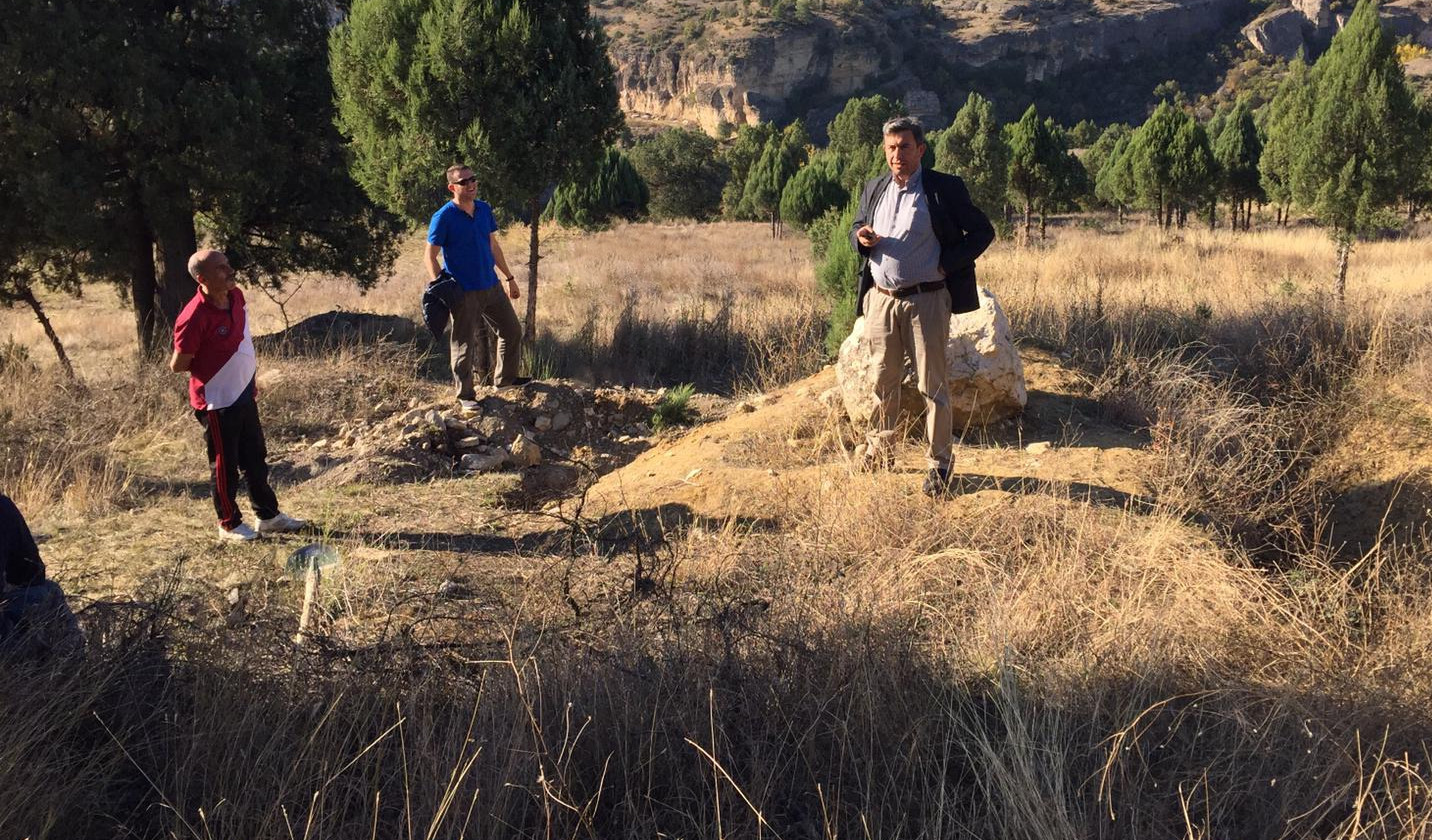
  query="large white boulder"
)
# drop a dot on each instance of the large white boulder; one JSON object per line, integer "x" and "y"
{"x": 985, "y": 373}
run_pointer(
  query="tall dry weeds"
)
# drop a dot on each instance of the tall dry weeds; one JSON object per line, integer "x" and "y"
{"x": 862, "y": 662}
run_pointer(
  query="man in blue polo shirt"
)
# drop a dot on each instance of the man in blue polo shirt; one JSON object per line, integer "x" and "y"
{"x": 464, "y": 232}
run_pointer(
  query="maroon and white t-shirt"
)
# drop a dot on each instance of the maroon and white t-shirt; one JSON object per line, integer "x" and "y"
{"x": 224, "y": 364}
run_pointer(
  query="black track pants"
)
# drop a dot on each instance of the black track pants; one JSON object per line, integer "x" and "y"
{"x": 235, "y": 441}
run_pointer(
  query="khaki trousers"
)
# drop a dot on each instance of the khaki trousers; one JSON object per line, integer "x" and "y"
{"x": 918, "y": 327}
{"x": 473, "y": 320}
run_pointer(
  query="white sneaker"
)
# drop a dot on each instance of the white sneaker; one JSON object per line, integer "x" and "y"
{"x": 281, "y": 523}
{"x": 239, "y": 533}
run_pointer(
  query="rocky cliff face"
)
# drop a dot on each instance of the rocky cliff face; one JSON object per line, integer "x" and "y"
{"x": 742, "y": 73}
{"x": 1310, "y": 26}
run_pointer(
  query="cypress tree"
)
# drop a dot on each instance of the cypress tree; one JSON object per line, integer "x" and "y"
{"x": 836, "y": 277}
{"x": 616, "y": 190}
{"x": 1283, "y": 121}
{"x": 1102, "y": 150}
{"x": 1419, "y": 189}
{"x": 973, "y": 149}
{"x": 859, "y": 123}
{"x": 1115, "y": 181}
{"x": 172, "y": 123}
{"x": 1237, "y": 150}
{"x": 1195, "y": 171}
{"x": 1361, "y": 135}
{"x": 1153, "y": 156}
{"x": 1071, "y": 179}
{"x": 1032, "y": 162}
{"x": 738, "y": 158}
{"x": 783, "y": 155}
{"x": 813, "y": 190}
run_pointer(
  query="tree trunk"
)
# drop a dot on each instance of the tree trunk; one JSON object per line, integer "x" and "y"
{"x": 144, "y": 291}
{"x": 1344, "y": 251}
{"x": 176, "y": 240}
{"x": 28, "y": 295}
{"x": 1043, "y": 222}
{"x": 529, "y": 325}
{"x": 1027, "y": 203}
{"x": 1213, "y": 214}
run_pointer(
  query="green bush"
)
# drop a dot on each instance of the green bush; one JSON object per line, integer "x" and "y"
{"x": 675, "y": 408}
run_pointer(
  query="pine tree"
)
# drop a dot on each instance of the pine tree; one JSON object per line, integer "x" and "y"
{"x": 175, "y": 122}
{"x": 683, "y": 172}
{"x": 860, "y": 122}
{"x": 1360, "y": 137}
{"x": 1237, "y": 149}
{"x": 973, "y": 149}
{"x": 523, "y": 91}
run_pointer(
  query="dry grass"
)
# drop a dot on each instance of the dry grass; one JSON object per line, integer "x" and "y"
{"x": 856, "y": 663}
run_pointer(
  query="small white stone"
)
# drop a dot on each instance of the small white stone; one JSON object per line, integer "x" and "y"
{"x": 1039, "y": 447}
{"x": 561, "y": 420}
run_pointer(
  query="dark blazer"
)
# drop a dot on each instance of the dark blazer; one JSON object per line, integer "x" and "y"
{"x": 963, "y": 230}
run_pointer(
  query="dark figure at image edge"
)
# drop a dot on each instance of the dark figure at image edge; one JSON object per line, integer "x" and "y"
{"x": 35, "y": 616}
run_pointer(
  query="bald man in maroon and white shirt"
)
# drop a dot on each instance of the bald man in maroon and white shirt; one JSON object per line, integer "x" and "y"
{"x": 212, "y": 343}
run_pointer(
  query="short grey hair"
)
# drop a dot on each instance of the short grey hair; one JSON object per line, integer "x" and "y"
{"x": 198, "y": 260}
{"x": 900, "y": 125}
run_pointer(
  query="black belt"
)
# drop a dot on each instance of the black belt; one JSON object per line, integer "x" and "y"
{"x": 901, "y": 294}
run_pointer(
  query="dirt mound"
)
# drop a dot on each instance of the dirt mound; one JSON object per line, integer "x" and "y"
{"x": 744, "y": 464}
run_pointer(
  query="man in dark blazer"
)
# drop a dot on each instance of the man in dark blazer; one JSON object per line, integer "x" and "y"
{"x": 918, "y": 235}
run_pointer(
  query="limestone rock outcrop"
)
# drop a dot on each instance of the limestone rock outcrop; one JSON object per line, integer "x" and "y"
{"x": 736, "y": 74}
{"x": 1309, "y": 25}
{"x": 985, "y": 373}
{"x": 1278, "y": 32}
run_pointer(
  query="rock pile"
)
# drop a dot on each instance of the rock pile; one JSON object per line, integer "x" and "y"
{"x": 547, "y": 431}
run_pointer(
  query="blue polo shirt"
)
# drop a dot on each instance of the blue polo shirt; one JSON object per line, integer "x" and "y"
{"x": 467, "y": 249}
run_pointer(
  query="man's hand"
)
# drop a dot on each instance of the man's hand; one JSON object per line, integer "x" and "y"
{"x": 867, "y": 236}
{"x": 512, "y": 290}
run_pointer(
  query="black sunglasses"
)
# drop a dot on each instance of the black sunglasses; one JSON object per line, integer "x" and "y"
{"x": 462, "y": 182}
